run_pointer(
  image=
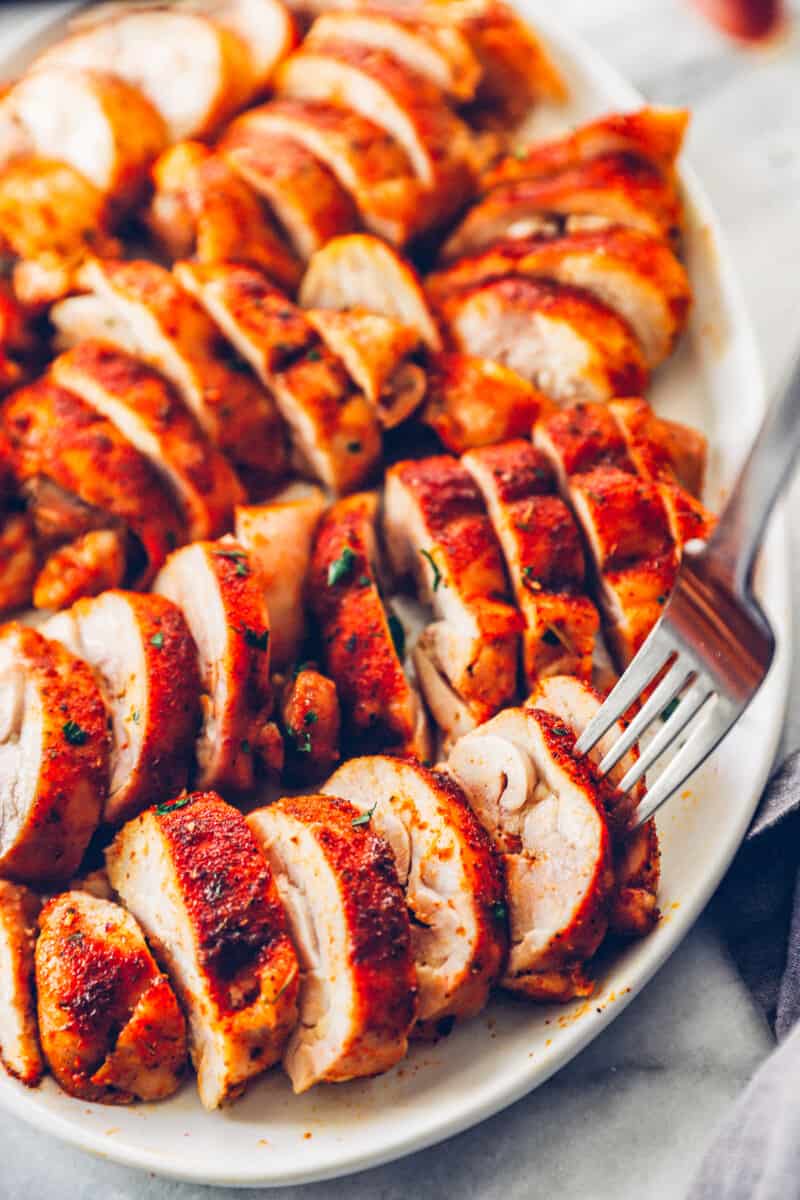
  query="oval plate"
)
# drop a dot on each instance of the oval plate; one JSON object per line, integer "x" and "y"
{"x": 272, "y": 1138}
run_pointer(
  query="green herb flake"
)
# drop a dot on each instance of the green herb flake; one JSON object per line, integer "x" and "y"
{"x": 398, "y": 634}
{"x": 314, "y": 355}
{"x": 74, "y": 734}
{"x": 670, "y": 709}
{"x": 157, "y": 640}
{"x": 364, "y": 818}
{"x": 520, "y": 153}
{"x": 437, "y": 574}
{"x": 499, "y": 910}
{"x": 135, "y": 716}
{"x": 364, "y": 581}
{"x": 354, "y": 447}
{"x": 341, "y": 567}
{"x": 301, "y": 739}
{"x": 258, "y": 641}
{"x": 662, "y": 600}
{"x": 173, "y": 805}
{"x": 561, "y": 730}
{"x": 310, "y": 718}
{"x": 236, "y": 556}
{"x": 246, "y": 747}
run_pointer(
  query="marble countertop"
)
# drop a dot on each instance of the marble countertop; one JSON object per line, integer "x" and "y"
{"x": 630, "y": 1117}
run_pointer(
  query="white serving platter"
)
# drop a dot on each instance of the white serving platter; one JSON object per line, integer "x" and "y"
{"x": 273, "y": 1138}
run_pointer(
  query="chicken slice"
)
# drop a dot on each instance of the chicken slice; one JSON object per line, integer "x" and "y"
{"x": 544, "y": 557}
{"x": 20, "y": 1052}
{"x": 348, "y": 920}
{"x": 191, "y": 873}
{"x": 311, "y": 717}
{"x": 362, "y": 272}
{"x": 51, "y": 220}
{"x": 471, "y": 402}
{"x": 560, "y": 338}
{"x": 633, "y": 273}
{"x": 665, "y": 451}
{"x": 79, "y": 473}
{"x": 278, "y": 539}
{"x": 543, "y": 812}
{"x": 18, "y": 561}
{"x": 634, "y": 906}
{"x": 101, "y": 127}
{"x": 653, "y": 134}
{"x": 265, "y": 27}
{"x": 146, "y": 411}
{"x": 139, "y": 307}
{"x": 363, "y": 646}
{"x": 110, "y": 1025}
{"x": 303, "y": 195}
{"x": 202, "y": 209}
{"x": 93, "y": 563}
{"x": 212, "y": 585}
{"x": 145, "y": 662}
{"x": 53, "y": 757}
{"x": 375, "y": 351}
{"x": 335, "y": 433}
{"x": 451, "y": 877}
{"x": 438, "y": 532}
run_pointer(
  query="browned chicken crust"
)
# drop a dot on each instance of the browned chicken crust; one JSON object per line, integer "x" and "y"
{"x": 471, "y": 402}
{"x": 18, "y": 561}
{"x": 311, "y": 717}
{"x": 20, "y": 1052}
{"x": 91, "y": 564}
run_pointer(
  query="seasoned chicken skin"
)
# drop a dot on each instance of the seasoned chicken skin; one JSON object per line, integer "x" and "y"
{"x": 20, "y": 1052}
{"x": 452, "y": 879}
{"x": 213, "y": 585}
{"x": 53, "y": 757}
{"x": 311, "y": 717}
{"x": 91, "y": 564}
{"x": 472, "y": 402}
{"x": 362, "y": 644}
{"x": 110, "y": 1025}
{"x": 544, "y": 557}
{"x": 348, "y": 919}
{"x": 18, "y": 561}
{"x": 190, "y": 871}
{"x": 665, "y": 451}
{"x": 144, "y": 659}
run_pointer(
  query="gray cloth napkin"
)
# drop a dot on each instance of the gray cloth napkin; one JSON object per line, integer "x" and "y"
{"x": 756, "y": 1152}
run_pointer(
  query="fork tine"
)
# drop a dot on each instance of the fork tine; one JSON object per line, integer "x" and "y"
{"x": 691, "y": 703}
{"x": 667, "y": 690}
{"x": 648, "y": 662}
{"x": 709, "y": 734}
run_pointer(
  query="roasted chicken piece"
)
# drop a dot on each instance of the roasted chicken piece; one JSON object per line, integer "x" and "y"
{"x": 544, "y": 557}
{"x": 453, "y": 884}
{"x": 53, "y": 757}
{"x": 213, "y": 586}
{"x": 375, "y": 351}
{"x": 51, "y": 219}
{"x": 311, "y": 717}
{"x": 543, "y": 811}
{"x": 665, "y": 451}
{"x": 147, "y": 412}
{"x": 335, "y": 433}
{"x": 145, "y": 663}
{"x": 139, "y": 307}
{"x": 348, "y": 920}
{"x": 93, "y": 563}
{"x": 636, "y": 275}
{"x": 634, "y": 905}
{"x": 18, "y": 561}
{"x": 20, "y": 1052}
{"x": 79, "y": 474}
{"x": 110, "y": 1025}
{"x": 612, "y": 189}
{"x": 265, "y": 27}
{"x": 362, "y": 272}
{"x": 560, "y": 338}
{"x": 202, "y": 209}
{"x": 472, "y": 402}
{"x": 278, "y": 539}
{"x": 303, "y": 195}
{"x": 363, "y": 646}
{"x": 191, "y": 873}
{"x": 437, "y": 531}
{"x": 100, "y": 126}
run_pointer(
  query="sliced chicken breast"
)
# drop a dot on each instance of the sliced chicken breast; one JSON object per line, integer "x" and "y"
{"x": 335, "y": 433}
{"x": 139, "y": 307}
{"x": 348, "y": 920}
{"x": 544, "y": 556}
{"x": 278, "y": 538}
{"x": 18, "y": 561}
{"x": 94, "y": 562}
{"x": 20, "y": 1052}
{"x": 666, "y": 451}
{"x": 110, "y": 1025}
{"x": 100, "y": 126}
{"x": 151, "y": 416}
{"x": 265, "y": 27}
{"x": 363, "y": 645}
{"x": 213, "y": 586}
{"x": 145, "y": 663}
{"x": 437, "y": 531}
{"x": 54, "y": 757}
{"x": 636, "y": 275}
{"x": 544, "y": 813}
{"x": 452, "y": 880}
{"x": 191, "y": 873}
{"x": 560, "y": 338}
{"x": 311, "y": 717}
{"x": 361, "y": 271}
{"x": 472, "y": 402}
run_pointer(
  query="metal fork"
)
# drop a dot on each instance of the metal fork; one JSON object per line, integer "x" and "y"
{"x": 712, "y": 645}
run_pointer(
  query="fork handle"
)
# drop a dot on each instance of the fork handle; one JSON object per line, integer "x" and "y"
{"x": 734, "y": 545}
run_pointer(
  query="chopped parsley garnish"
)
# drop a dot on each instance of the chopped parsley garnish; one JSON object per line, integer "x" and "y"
{"x": 561, "y": 730}
{"x": 215, "y": 889}
{"x": 301, "y": 739}
{"x": 662, "y": 600}
{"x": 520, "y": 153}
{"x": 303, "y": 666}
{"x": 135, "y": 716}
{"x": 341, "y": 567}
{"x": 157, "y": 640}
{"x": 354, "y": 447}
{"x": 259, "y": 641}
{"x": 310, "y": 718}
{"x": 246, "y": 748}
{"x": 499, "y": 910}
{"x": 173, "y": 805}
{"x": 314, "y": 355}
{"x": 364, "y": 581}
{"x": 364, "y": 818}
{"x": 437, "y": 574}
{"x": 670, "y": 709}
{"x": 398, "y": 634}
{"x": 237, "y": 556}
{"x": 74, "y": 734}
